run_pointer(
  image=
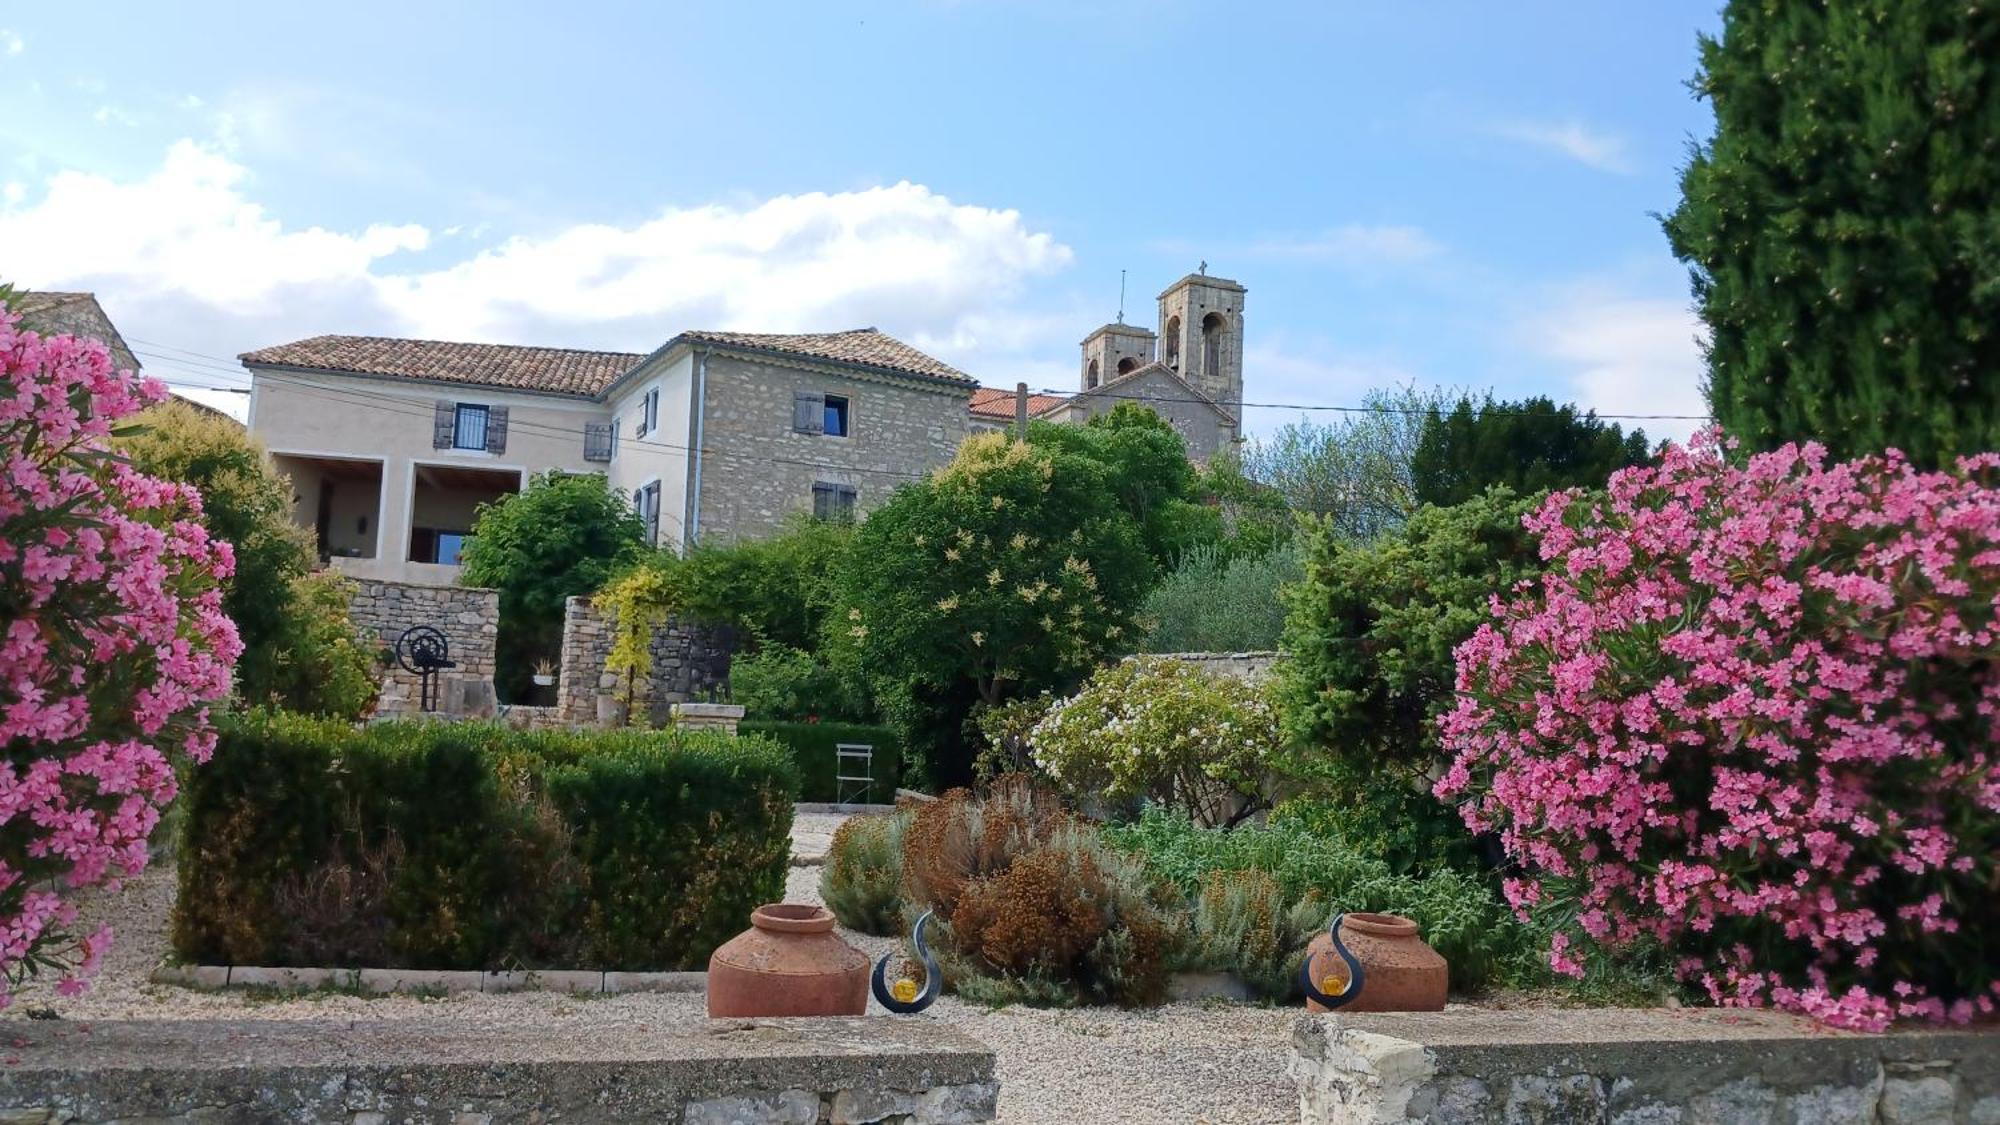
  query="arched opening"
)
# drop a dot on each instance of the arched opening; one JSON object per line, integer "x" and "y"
{"x": 1090, "y": 375}
{"x": 1211, "y": 344}
{"x": 1174, "y": 342}
{"x": 1127, "y": 365}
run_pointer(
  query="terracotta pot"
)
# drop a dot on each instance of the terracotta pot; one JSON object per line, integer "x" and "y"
{"x": 1399, "y": 972}
{"x": 788, "y": 963}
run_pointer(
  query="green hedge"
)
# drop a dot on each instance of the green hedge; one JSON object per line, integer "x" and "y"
{"x": 472, "y": 846}
{"x": 812, "y": 746}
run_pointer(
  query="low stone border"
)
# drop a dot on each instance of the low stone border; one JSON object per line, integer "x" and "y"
{"x": 856, "y": 808}
{"x": 586, "y": 981}
{"x": 846, "y": 1071}
{"x": 1459, "y": 1067}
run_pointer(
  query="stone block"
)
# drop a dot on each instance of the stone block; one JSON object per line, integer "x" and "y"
{"x": 418, "y": 980}
{"x": 1909, "y": 1101}
{"x": 786, "y": 1107}
{"x": 656, "y": 982}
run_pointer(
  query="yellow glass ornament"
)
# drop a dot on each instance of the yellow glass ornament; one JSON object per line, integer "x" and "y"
{"x": 904, "y": 990}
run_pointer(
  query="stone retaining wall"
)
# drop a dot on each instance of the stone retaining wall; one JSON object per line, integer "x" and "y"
{"x": 1242, "y": 665}
{"x": 1636, "y": 1067}
{"x": 844, "y": 1071}
{"x": 468, "y": 616}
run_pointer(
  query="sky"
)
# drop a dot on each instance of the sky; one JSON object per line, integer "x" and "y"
{"x": 1446, "y": 195}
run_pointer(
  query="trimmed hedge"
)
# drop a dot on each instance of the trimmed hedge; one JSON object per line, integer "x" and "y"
{"x": 812, "y": 746}
{"x": 473, "y": 846}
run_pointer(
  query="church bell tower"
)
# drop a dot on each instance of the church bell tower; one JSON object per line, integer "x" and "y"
{"x": 1201, "y": 338}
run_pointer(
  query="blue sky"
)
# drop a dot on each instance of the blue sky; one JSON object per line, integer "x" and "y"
{"x": 1451, "y": 194}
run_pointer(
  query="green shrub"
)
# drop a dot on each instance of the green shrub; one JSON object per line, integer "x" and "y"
{"x": 1369, "y": 665}
{"x": 1216, "y": 602}
{"x": 862, "y": 881}
{"x": 472, "y": 846}
{"x": 813, "y": 744}
{"x": 786, "y": 684}
{"x": 1165, "y": 731}
{"x": 1460, "y": 915}
{"x": 1243, "y": 923}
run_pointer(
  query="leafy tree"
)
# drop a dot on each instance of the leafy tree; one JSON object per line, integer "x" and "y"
{"x": 1369, "y": 645}
{"x": 1255, "y": 517}
{"x": 1014, "y": 568}
{"x": 299, "y": 650}
{"x": 1213, "y": 602}
{"x": 1355, "y": 472}
{"x": 1148, "y": 473}
{"x": 1529, "y": 446}
{"x": 1843, "y": 225}
{"x": 561, "y": 537}
{"x": 776, "y": 590}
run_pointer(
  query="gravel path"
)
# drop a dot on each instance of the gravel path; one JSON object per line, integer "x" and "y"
{"x": 1204, "y": 1062}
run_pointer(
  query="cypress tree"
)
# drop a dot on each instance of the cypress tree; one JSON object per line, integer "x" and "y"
{"x": 1528, "y": 446}
{"x": 1843, "y": 226}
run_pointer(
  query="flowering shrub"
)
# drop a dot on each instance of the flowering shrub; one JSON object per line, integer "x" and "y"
{"x": 1751, "y": 713}
{"x": 112, "y": 643}
{"x": 1163, "y": 730}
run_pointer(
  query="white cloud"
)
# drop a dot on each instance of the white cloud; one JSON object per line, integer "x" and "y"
{"x": 1590, "y": 147}
{"x": 186, "y": 256}
{"x": 1355, "y": 244}
{"x": 1628, "y": 355}
{"x": 113, "y": 115}
{"x": 11, "y": 42}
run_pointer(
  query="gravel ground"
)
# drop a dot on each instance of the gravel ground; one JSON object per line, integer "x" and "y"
{"x": 1208, "y": 1062}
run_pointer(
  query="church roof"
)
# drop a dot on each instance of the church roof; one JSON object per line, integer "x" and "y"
{"x": 994, "y": 403}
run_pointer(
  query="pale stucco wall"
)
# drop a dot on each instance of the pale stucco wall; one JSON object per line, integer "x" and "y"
{"x": 306, "y": 415}
{"x": 663, "y": 454}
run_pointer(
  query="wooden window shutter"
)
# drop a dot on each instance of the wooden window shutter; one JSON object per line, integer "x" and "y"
{"x": 444, "y": 425}
{"x": 808, "y": 413}
{"x": 496, "y": 429}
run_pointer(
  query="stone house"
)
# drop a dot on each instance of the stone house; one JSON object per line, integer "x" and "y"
{"x": 1190, "y": 372}
{"x": 392, "y": 444}
{"x": 74, "y": 314}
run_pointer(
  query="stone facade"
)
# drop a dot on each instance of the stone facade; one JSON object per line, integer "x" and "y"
{"x": 76, "y": 314}
{"x": 690, "y": 661}
{"x": 1644, "y": 1067}
{"x": 799, "y": 1071}
{"x": 1204, "y": 428}
{"x": 756, "y": 470}
{"x": 468, "y": 616}
{"x": 1188, "y": 308}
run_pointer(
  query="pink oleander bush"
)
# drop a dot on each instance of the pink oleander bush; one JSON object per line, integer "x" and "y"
{"x": 1751, "y": 713}
{"x": 112, "y": 644}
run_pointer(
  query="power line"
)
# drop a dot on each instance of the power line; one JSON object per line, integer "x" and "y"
{"x": 1359, "y": 409}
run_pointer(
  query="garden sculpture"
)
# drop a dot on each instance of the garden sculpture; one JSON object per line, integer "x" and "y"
{"x": 424, "y": 650}
{"x": 904, "y": 998}
{"x": 1334, "y": 992}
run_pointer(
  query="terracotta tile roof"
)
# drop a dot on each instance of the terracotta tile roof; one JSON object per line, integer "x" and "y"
{"x": 554, "y": 370}
{"x": 864, "y": 346}
{"x": 992, "y": 402}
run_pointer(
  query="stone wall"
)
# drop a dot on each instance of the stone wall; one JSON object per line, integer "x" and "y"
{"x": 1242, "y": 665}
{"x": 703, "y": 1072}
{"x": 469, "y": 618}
{"x": 755, "y": 471}
{"x": 690, "y": 662}
{"x": 1636, "y": 1067}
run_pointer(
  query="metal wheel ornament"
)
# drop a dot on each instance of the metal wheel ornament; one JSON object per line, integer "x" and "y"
{"x": 425, "y": 650}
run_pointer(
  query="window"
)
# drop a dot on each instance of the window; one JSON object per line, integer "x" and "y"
{"x": 597, "y": 440}
{"x": 647, "y": 501}
{"x": 1090, "y": 375}
{"x": 1211, "y": 344}
{"x": 616, "y": 425}
{"x": 470, "y": 425}
{"x": 469, "y": 431}
{"x": 1174, "y": 342}
{"x": 649, "y": 412}
{"x": 835, "y": 424}
{"x": 834, "y": 501}
{"x": 431, "y": 545}
{"x": 1127, "y": 365}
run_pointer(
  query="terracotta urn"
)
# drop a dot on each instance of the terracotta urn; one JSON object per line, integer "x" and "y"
{"x": 1399, "y": 972}
{"x": 788, "y": 963}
